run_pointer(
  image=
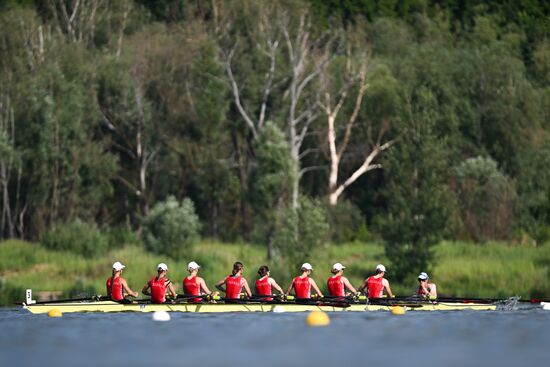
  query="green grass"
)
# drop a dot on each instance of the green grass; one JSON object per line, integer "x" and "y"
{"x": 463, "y": 269}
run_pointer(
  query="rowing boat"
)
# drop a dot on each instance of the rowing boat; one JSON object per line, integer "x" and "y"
{"x": 111, "y": 306}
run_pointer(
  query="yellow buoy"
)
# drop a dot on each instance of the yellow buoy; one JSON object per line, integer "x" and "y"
{"x": 317, "y": 318}
{"x": 398, "y": 310}
{"x": 55, "y": 312}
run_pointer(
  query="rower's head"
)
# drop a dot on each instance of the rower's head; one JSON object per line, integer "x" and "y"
{"x": 380, "y": 269}
{"x": 162, "y": 268}
{"x": 263, "y": 271}
{"x": 337, "y": 268}
{"x": 237, "y": 268}
{"x": 117, "y": 267}
{"x": 306, "y": 268}
{"x": 423, "y": 277}
{"x": 193, "y": 267}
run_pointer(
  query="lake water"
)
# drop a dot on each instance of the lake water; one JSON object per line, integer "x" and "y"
{"x": 459, "y": 338}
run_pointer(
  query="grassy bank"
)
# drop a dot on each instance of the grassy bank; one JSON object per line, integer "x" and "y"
{"x": 490, "y": 270}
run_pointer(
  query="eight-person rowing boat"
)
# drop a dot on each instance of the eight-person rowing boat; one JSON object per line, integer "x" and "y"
{"x": 198, "y": 298}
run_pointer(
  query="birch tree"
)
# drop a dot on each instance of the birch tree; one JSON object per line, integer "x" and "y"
{"x": 337, "y": 91}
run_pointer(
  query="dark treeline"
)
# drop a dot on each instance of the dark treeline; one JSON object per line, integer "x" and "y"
{"x": 284, "y": 123}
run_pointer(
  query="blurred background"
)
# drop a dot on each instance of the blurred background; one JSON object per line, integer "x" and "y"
{"x": 410, "y": 133}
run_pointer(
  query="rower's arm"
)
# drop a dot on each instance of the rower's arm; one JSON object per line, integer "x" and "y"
{"x": 247, "y": 288}
{"x": 362, "y": 287}
{"x": 433, "y": 291}
{"x": 145, "y": 289}
{"x": 203, "y": 286}
{"x": 276, "y": 286}
{"x": 348, "y": 285}
{"x": 220, "y": 285}
{"x": 315, "y": 288}
{"x": 127, "y": 289}
{"x": 387, "y": 286}
{"x": 290, "y": 287}
{"x": 172, "y": 290}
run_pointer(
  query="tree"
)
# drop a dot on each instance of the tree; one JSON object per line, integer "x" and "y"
{"x": 414, "y": 187}
{"x": 271, "y": 183}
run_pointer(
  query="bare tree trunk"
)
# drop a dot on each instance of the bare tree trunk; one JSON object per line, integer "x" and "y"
{"x": 338, "y": 149}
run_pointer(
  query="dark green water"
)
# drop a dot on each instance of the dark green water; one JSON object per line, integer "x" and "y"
{"x": 461, "y": 338}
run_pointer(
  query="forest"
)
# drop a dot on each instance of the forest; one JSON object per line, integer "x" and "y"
{"x": 286, "y": 124}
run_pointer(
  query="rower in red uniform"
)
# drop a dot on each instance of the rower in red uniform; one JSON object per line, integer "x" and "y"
{"x": 302, "y": 284}
{"x": 116, "y": 284}
{"x": 264, "y": 285}
{"x": 376, "y": 284}
{"x": 193, "y": 285}
{"x": 234, "y": 283}
{"x": 157, "y": 286}
{"x": 426, "y": 289}
{"x": 336, "y": 284}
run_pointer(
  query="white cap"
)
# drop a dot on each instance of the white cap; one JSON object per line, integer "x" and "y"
{"x": 193, "y": 265}
{"x": 423, "y": 276}
{"x": 380, "y": 267}
{"x": 162, "y": 266}
{"x": 307, "y": 266}
{"x": 338, "y": 266}
{"x": 118, "y": 266}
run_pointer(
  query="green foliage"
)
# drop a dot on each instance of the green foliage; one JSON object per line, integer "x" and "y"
{"x": 270, "y": 183}
{"x": 301, "y": 232}
{"x": 77, "y": 237}
{"x": 415, "y": 192}
{"x": 171, "y": 228}
{"x": 486, "y": 199}
{"x": 121, "y": 236}
{"x": 346, "y": 222}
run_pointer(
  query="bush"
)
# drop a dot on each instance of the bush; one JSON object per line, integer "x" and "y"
{"x": 485, "y": 198}
{"x": 120, "y": 236}
{"x": 78, "y": 237}
{"x": 345, "y": 221}
{"x": 301, "y": 231}
{"x": 170, "y": 228}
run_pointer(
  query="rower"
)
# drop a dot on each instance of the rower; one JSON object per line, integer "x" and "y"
{"x": 193, "y": 285}
{"x": 264, "y": 285}
{"x": 426, "y": 289}
{"x": 376, "y": 284}
{"x": 337, "y": 283}
{"x": 116, "y": 284}
{"x": 234, "y": 283}
{"x": 156, "y": 287}
{"x": 302, "y": 284}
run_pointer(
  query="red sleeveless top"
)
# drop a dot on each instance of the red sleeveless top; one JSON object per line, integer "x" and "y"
{"x": 158, "y": 289}
{"x": 301, "y": 287}
{"x": 263, "y": 288}
{"x": 114, "y": 289}
{"x": 192, "y": 288}
{"x": 336, "y": 286}
{"x": 233, "y": 286}
{"x": 375, "y": 287}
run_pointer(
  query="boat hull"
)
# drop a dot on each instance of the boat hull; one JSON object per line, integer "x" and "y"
{"x": 109, "y": 306}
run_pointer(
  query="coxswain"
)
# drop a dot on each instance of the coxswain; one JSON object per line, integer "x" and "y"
{"x": 116, "y": 284}
{"x": 264, "y": 285}
{"x": 233, "y": 284}
{"x": 376, "y": 284}
{"x": 302, "y": 284}
{"x": 157, "y": 286}
{"x": 425, "y": 288}
{"x": 193, "y": 285}
{"x": 337, "y": 283}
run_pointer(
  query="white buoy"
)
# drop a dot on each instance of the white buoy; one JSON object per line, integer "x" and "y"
{"x": 161, "y": 316}
{"x": 278, "y": 309}
{"x": 545, "y": 306}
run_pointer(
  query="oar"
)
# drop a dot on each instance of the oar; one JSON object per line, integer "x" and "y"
{"x": 92, "y": 298}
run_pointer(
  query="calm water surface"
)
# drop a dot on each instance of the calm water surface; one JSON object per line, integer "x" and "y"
{"x": 504, "y": 338}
